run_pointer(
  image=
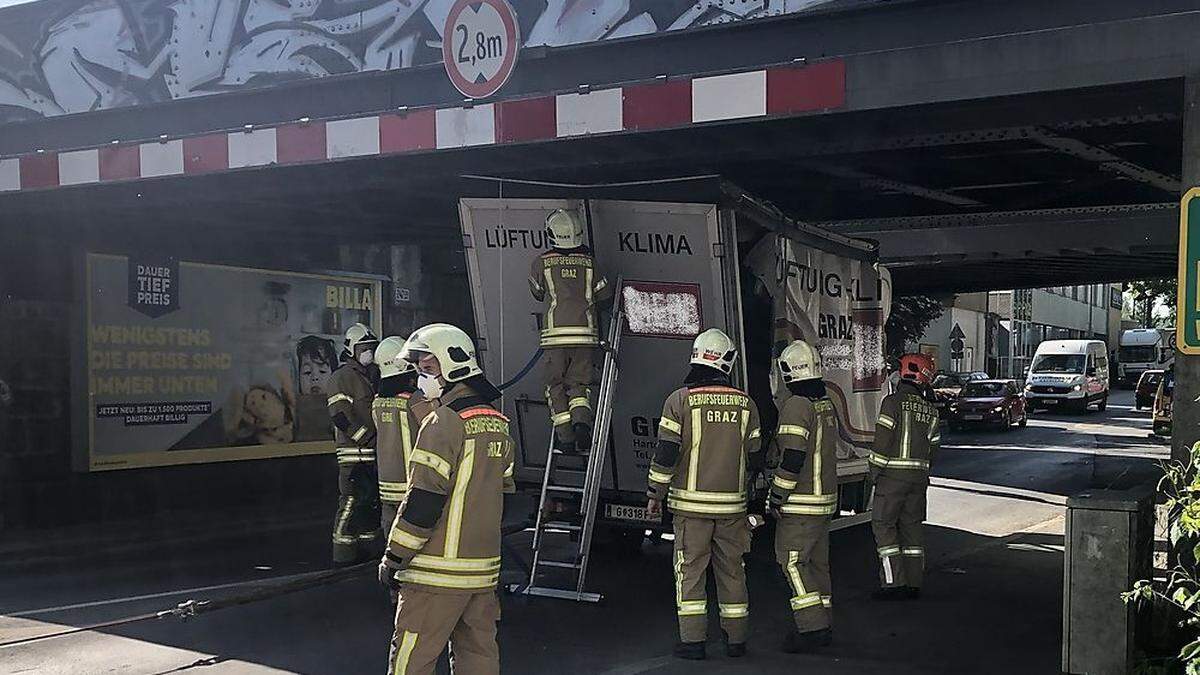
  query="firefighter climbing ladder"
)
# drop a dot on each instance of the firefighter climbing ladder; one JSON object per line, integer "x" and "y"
{"x": 554, "y": 483}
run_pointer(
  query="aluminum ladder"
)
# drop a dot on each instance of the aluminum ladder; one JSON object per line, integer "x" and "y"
{"x": 574, "y": 568}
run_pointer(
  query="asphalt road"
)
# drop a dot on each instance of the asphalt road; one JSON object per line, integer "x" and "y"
{"x": 992, "y": 601}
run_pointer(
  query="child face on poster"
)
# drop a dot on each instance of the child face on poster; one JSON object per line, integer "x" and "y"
{"x": 316, "y": 360}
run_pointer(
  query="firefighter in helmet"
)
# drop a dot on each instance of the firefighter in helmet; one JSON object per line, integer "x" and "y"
{"x": 906, "y": 440}
{"x": 707, "y": 430}
{"x": 397, "y": 412}
{"x": 804, "y": 495}
{"x": 443, "y": 553}
{"x": 566, "y": 277}
{"x": 351, "y": 395}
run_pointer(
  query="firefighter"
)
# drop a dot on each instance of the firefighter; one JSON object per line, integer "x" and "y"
{"x": 397, "y": 412}
{"x": 566, "y": 276}
{"x": 443, "y": 553}
{"x": 352, "y": 393}
{"x": 803, "y": 495}
{"x": 906, "y": 440}
{"x": 708, "y": 429}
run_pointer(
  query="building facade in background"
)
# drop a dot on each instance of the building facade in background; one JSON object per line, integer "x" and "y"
{"x": 999, "y": 331}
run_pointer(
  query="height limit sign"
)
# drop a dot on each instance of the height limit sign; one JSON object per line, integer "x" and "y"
{"x": 1187, "y": 337}
{"x": 479, "y": 46}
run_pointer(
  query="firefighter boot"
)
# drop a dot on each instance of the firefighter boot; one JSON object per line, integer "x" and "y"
{"x": 803, "y": 643}
{"x": 564, "y": 444}
{"x": 692, "y": 651}
{"x": 583, "y": 437}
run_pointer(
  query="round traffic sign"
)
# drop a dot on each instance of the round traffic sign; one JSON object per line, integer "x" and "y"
{"x": 479, "y": 45}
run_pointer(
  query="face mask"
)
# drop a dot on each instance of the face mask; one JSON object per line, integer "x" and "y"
{"x": 366, "y": 358}
{"x": 429, "y": 385}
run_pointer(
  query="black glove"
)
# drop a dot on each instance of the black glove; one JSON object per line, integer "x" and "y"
{"x": 387, "y": 573}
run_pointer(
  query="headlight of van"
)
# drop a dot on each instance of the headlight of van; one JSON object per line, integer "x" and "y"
{"x": 1078, "y": 387}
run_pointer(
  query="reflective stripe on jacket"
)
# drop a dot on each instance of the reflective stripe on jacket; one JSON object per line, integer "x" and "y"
{"x": 906, "y": 436}
{"x": 808, "y": 427}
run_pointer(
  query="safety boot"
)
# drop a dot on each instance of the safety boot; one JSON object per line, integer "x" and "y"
{"x": 564, "y": 445}
{"x": 802, "y": 643}
{"x": 692, "y": 651}
{"x": 583, "y": 437}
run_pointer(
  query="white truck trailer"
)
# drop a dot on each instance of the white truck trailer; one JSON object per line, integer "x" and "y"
{"x": 1143, "y": 349}
{"x": 724, "y": 261}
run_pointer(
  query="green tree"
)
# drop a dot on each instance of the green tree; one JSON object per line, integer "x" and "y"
{"x": 911, "y": 315}
{"x": 1148, "y": 294}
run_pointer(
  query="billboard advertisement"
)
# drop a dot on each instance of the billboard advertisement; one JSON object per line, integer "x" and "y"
{"x": 190, "y": 363}
{"x": 840, "y": 305}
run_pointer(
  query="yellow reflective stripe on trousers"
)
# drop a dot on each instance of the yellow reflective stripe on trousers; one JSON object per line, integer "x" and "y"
{"x": 458, "y": 499}
{"x": 805, "y": 601}
{"x": 660, "y": 477}
{"x": 694, "y": 460}
{"x": 670, "y": 425}
{"x": 579, "y": 402}
{"x": 560, "y": 418}
{"x": 783, "y": 483}
{"x": 793, "y": 573}
{"x": 693, "y": 608}
{"x": 339, "y": 397}
{"x": 459, "y": 581}
{"x": 448, "y": 564}
{"x": 792, "y": 430}
{"x": 441, "y": 466}
{"x": 404, "y": 653}
{"x": 734, "y": 610}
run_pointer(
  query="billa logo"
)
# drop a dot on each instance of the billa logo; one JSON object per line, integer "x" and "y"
{"x": 154, "y": 286}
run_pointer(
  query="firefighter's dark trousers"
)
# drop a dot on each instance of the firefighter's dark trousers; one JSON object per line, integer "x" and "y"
{"x": 356, "y": 523}
{"x": 897, "y": 519}
{"x": 570, "y": 374}
{"x": 723, "y": 542}
{"x": 802, "y": 549}
{"x": 426, "y": 621}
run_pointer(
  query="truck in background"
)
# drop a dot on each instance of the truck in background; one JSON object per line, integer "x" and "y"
{"x": 715, "y": 259}
{"x": 1143, "y": 349}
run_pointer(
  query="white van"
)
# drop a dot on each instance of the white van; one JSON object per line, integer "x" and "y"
{"x": 1068, "y": 374}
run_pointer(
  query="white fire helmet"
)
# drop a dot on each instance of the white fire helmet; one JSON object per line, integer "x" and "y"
{"x": 357, "y": 336}
{"x": 565, "y": 229}
{"x": 799, "y": 362}
{"x": 450, "y": 345}
{"x": 714, "y": 349}
{"x": 388, "y": 357}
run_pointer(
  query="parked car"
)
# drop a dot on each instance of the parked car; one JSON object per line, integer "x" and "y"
{"x": 946, "y": 387}
{"x": 1147, "y": 389}
{"x": 1163, "y": 403}
{"x": 1068, "y": 374}
{"x": 988, "y": 402}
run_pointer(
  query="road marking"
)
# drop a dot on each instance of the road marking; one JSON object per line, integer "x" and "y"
{"x": 1141, "y": 451}
{"x": 164, "y": 594}
{"x": 644, "y": 666}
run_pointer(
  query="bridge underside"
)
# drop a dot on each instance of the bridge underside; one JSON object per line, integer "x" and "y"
{"x": 1047, "y": 189}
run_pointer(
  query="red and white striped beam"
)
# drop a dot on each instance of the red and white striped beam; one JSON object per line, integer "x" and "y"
{"x": 661, "y": 104}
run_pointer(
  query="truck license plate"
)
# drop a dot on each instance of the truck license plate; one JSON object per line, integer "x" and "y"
{"x": 973, "y": 418}
{"x": 625, "y": 512}
{"x": 1051, "y": 401}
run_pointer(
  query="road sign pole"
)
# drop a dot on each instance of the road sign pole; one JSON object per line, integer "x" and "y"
{"x": 1186, "y": 410}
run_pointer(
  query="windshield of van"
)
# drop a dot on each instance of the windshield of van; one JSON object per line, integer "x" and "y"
{"x": 1139, "y": 354}
{"x": 1059, "y": 363}
{"x": 947, "y": 381}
